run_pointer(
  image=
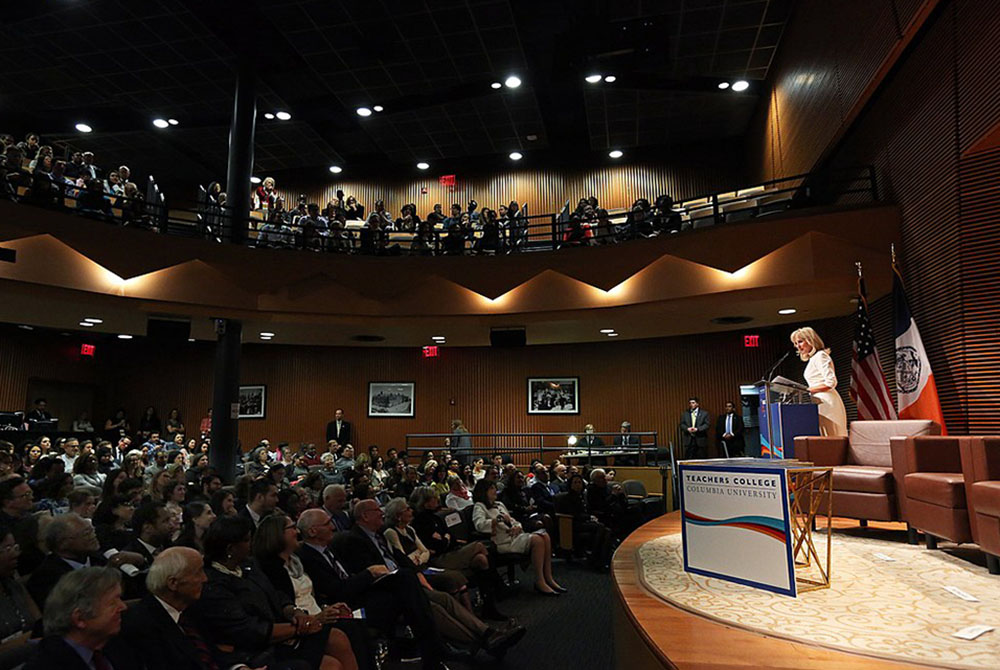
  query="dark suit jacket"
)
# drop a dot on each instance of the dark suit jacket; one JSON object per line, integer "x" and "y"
{"x": 343, "y": 437}
{"x": 135, "y": 546}
{"x": 698, "y": 439}
{"x": 164, "y": 646}
{"x": 589, "y": 441}
{"x": 53, "y": 652}
{"x": 356, "y": 551}
{"x": 48, "y": 572}
{"x": 245, "y": 513}
{"x": 736, "y": 443}
{"x": 626, "y": 440}
{"x": 327, "y": 585}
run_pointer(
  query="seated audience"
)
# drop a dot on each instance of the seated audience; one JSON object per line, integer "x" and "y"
{"x": 18, "y": 612}
{"x": 262, "y": 498}
{"x": 335, "y": 504}
{"x": 198, "y": 516}
{"x": 588, "y": 531}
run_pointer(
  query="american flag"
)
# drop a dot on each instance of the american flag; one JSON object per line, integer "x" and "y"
{"x": 868, "y": 388}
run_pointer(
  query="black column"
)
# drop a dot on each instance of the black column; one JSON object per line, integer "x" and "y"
{"x": 241, "y": 140}
{"x": 225, "y": 399}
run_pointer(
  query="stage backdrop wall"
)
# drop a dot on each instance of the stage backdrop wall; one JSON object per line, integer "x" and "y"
{"x": 931, "y": 132}
{"x": 645, "y": 381}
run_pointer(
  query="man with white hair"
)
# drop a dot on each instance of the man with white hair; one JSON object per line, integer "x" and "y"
{"x": 335, "y": 504}
{"x": 158, "y": 626}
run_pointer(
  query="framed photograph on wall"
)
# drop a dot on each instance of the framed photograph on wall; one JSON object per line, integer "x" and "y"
{"x": 253, "y": 401}
{"x": 390, "y": 399}
{"x": 553, "y": 395}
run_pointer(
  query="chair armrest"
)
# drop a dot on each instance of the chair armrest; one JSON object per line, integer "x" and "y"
{"x": 821, "y": 451}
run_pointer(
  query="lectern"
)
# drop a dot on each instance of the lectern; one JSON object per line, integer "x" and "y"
{"x": 786, "y": 410}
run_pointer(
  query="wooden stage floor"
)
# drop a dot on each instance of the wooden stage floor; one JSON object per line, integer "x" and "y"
{"x": 652, "y": 634}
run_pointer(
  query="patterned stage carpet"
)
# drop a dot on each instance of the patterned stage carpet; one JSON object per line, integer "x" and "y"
{"x": 893, "y": 610}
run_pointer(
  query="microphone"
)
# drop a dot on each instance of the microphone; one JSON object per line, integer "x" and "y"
{"x": 774, "y": 367}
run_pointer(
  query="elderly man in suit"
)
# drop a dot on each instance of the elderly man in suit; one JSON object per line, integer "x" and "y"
{"x": 694, "y": 426}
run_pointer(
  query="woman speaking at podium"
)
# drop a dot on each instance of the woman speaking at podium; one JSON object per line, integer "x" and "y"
{"x": 822, "y": 381}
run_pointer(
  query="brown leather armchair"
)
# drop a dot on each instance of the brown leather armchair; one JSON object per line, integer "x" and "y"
{"x": 864, "y": 487}
{"x": 933, "y": 489}
{"x": 981, "y": 467}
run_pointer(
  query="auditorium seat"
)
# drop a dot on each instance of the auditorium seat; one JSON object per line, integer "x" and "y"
{"x": 864, "y": 485}
{"x": 981, "y": 470}
{"x": 933, "y": 499}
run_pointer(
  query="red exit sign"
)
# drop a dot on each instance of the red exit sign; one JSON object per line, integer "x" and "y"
{"x": 87, "y": 350}
{"x": 430, "y": 351}
{"x": 751, "y": 341}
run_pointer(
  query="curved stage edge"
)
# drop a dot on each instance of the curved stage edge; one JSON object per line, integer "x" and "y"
{"x": 651, "y": 634}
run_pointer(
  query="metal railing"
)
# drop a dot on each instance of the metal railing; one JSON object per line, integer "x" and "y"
{"x": 523, "y": 233}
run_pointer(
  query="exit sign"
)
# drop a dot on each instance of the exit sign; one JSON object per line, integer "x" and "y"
{"x": 430, "y": 351}
{"x": 447, "y": 180}
{"x": 751, "y": 341}
{"x": 87, "y": 350}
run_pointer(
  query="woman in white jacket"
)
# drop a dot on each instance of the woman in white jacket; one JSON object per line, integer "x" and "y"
{"x": 822, "y": 381}
{"x": 489, "y": 516}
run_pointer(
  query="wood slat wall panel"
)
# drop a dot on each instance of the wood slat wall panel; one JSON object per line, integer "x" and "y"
{"x": 545, "y": 191}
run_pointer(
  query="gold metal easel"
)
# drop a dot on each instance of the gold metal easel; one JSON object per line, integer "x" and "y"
{"x": 810, "y": 496}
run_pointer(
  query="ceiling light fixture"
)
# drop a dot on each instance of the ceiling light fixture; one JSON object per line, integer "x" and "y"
{"x": 516, "y": 155}
{"x": 269, "y": 116}
{"x": 512, "y": 82}
{"x": 190, "y": 339}
{"x": 723, "y": 85}
{"x": 86, "y": 325}
{"x": 495, "y": 85}
{"x": 612, "y": 334}
{"x": 25, "y": 326}
{"x": 611, "y": 79}
{"x": 254, "y": 180}
{"x": 531, "y": 138}
{"x": 124, "y": 337}
{"x": 266, "y": 334}
{"x": 616, "y": 153}
{"x": 173, "y": 122}
{"x": 83, "y": 128}
{"x": 161, "y": 123}
{"x": 787, "y": 311}
{"x": 378, "y": 108}
{"x": 437, "y": 337}
{"x": 364, "y": 111}
{"x": 283, "y": 116}
{"x": 336, "y": 169}
{"x": 741, "y": 85}
{"x": 605, "y": 331}
{"x": 592, "y": 78}
{"x": 422, "y": 165}
{"x": 93, "y": 320}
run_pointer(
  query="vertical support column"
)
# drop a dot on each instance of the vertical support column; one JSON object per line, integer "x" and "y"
{"x": 225, "y": 399}
{"x": 241, "y": 140}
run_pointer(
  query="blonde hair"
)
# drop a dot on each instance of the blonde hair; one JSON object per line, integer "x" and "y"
{"x": 810, "y": 337}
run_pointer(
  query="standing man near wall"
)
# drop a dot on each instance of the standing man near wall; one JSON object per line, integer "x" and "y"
{"x": 694, "y": 426}
{"x": 729, "y": 430}
{"x": 339, "y": 429}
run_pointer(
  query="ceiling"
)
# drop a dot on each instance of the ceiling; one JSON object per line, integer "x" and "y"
{"x": 117, "y": 65}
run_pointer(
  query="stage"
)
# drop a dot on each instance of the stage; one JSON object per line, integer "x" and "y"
{"x": 905, "y": 621}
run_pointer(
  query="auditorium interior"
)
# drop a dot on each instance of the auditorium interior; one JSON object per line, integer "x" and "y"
{"x": 558, "y": 334}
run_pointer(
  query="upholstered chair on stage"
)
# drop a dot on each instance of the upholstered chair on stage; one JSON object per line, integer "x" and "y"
{"x": 933, "y": 489}
{"x": 863, "y": 484}
{"x": 981, "y": 467}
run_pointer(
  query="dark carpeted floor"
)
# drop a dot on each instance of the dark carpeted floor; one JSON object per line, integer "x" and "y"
{"x": 571, "y": 631}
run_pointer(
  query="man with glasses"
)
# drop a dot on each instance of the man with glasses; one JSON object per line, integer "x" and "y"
{"x": 16, "y": 504}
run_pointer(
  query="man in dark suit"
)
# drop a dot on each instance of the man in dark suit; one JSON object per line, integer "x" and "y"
{"x": 73, "y": 544}
{"x": 83, "y": 617}
{"x": 154, "y": 525}
{"x": 729, "y": 428}
{"x": 589, "y": 440}
{"x": 39, "y": 412}
{"x": 694, "y": 426}
{"x": 263, "y": 498}
{"x": 626, "y": 440}
{"x": 383, "y": 596}
{"x": 339, "y": 429}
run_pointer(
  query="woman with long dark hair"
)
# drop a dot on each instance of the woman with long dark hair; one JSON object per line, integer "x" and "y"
{"x": 198, "y": 516}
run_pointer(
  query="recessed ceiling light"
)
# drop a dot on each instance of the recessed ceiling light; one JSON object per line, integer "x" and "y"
{"x": 266, "y": 334}
{"x": 25, "y": 326}
{"x": 723, "y": 85}
{"x": 90, "y": 319}
{"x": 516, "y": 155}
{"x": 437, "y": 337}
{"x": 531, "y": 138}
{"x": 83, "y": 128}
{"x": 254, "y": 180}
{"x": 283, "y": 116}
{"x": 161, "y": 123}
{"x": 86, "y": 325}
{"x": 422, "y": 165}
{"x": 124, "y": 337}
{"x": 336, "y": 169}
{"x": 190, "y": 339}
{"x": 786, "y": 311}
{"x": 495, "y": 85}
{"x": 605, "y": 331}
{"x": 592, "y": 78}
{"x": 266, "y": 339}
{"x": 741, "y": 85}
{"x": 615, "y": 153}
{"x": 612, "y": 334}
{"x": 269, "y": 116}
{"x": 611, "y": 79}
{"x": 512, "y": 82}
{"x": 378, "y": 108}
{"x": 364, "y": 111}
{"x": 173, "y": 122}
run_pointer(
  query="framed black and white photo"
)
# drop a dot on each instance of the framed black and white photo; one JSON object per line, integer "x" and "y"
{"x": 390, "y": 399}
{"x": 253, "y": 401}
{"x": 553, "y": 395}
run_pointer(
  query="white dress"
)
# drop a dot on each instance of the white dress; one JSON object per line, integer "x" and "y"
{"x": 832, "y": 413}
{"x": 506, "y": 542}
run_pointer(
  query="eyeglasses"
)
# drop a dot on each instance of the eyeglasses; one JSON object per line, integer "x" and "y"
{"x": 10, "y": 548}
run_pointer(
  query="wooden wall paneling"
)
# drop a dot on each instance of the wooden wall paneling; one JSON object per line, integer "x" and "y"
{"x": 977, "y": 27}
